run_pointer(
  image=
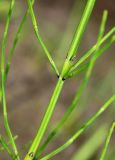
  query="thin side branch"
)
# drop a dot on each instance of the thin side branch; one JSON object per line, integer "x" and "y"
{"x": 35, "y": 25}
{"x": 15, "y": 41}
{"x": 92, "y": 50}
{"x": 81, "y": 130}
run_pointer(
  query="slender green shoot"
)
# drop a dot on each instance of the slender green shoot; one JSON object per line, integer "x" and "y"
{"x": 81, "y": 130}
{"x": 102, "y": 27}
{"x": 92, "y": 50}
{"x": 101, "y": 32}
{"x": 6, "y": 123}
{"x": 107, "y": 141}
{"x": 100, "y": 35}
{"x": 105, "y": 47}
{"x": 34, "y": 22}
{"x": 84, "y": 67}
{"x": 15, "y": 41}
{"x": 81, "y": 28}
{"x": 5, "y": 147}
{"x": 75, "y": 100}
{"x": 45, "y": 121}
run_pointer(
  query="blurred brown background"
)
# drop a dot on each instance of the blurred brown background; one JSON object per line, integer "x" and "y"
{"x": 31, "y": 80}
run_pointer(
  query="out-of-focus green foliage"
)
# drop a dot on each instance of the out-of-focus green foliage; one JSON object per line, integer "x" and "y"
{"x": 4, "y": 5}
{"x": 89, "y": 148}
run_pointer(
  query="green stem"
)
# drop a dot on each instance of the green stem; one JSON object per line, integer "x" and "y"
{"x": 32, "y": 151}
{"x": 81, "y": 130}
{"x": 100, "y": 35}
{"x": 34, "y": 22}
{"x": 45, "y": 121}
{"x": 107, "y": 141}
{"x": 15, "y": 41}
{"x": 6, "y": 123}
{"x": 81, "y": 28}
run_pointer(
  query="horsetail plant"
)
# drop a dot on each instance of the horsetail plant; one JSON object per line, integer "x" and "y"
{"x": 65, "y": 69}
{"x": 78, "y": 94}
{"x": 69, "y": 70}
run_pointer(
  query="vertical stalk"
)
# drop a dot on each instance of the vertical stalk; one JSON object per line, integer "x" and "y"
{"x": 15, "y": 41}
{"x": 6, "y": 123}
{"x": 81, "y": 28}
{"x": 48, "y": 114}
